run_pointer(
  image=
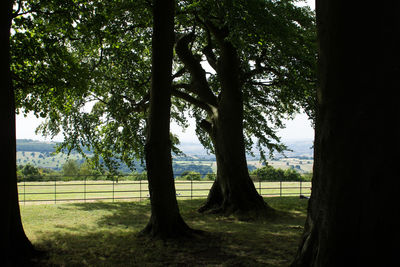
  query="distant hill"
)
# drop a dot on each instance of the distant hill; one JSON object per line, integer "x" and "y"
{"x": 301, "y": 147}
{"x": 40, "y": 154}
{"x": 35, "y": 146}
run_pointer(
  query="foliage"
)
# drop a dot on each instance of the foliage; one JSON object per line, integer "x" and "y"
{"x": 29, "y": 173}
{"x": 71, "y": 54}
{"x": 139, "y": 176}
{"x": 180, "y": 169}
{"x": 70, "y": 168}
{"x": 191, "y": 176}
{"x": 269, "y": 173}
{"x": 87, "y": 170}
{"x": 210, "y": 176}
{"x": 308, "y": 176}
{"x": 85, "y": 67}
{"x": 275, "y": 42}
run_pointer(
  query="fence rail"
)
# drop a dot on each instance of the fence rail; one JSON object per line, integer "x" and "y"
{"x": 58, "y": 191}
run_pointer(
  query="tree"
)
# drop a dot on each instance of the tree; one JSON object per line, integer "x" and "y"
{"x": 354, "y": 201}
{"x": 86, "y": 169}
{"x": 30, "y": 172}
{"x": 70, "y": 168}
{"x": 191, "y": 176}
{"x": 292, "y": 175}
{"x": 165, "y": 220}
{"x": 254, "y": 74}
{"x": 78, "y": 53}
{"x": 269, "y": 173}
{"x": 260, "y": 75}
{"x": 16, "y": 249}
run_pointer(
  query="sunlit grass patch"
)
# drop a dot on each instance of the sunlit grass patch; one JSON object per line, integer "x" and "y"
{"x": 106, "y": 234}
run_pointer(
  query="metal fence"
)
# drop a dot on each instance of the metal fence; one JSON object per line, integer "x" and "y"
{"x": 116, "y": 188}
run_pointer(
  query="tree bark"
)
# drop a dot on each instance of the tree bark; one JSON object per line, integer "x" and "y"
{"x": 354, "y": 203}
{"x": 16, "y": 247}
{"x": 165, "y": 221}
{"x": 233, "y": 191}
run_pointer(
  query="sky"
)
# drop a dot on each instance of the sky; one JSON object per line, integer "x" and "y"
{"x": 296, "y": 129}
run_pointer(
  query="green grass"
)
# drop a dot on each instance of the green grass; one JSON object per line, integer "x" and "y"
{"x": 106, "y": 234}
{"x": 92, "y": 190}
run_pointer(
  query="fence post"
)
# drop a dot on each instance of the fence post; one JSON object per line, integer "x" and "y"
{"x": 140, "y": 189}
{"x": 113, "y": 178}
{"x": 300, "y": 187}
{"x": 191, "y": 188}
{"x": 259, "y": 186}
{"x": 55, "y": 189}
{"x": 84, "y": 189}
{"x": 24, "y": 192}
{"x": 280, "y": 188}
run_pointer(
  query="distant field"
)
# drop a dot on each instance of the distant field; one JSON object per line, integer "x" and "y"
{"x": 137, "y": 190}
{"x": 48, "y": 160}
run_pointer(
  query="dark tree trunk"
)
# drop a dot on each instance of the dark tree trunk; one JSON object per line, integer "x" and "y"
{"x": 165, "y": 221}
{"x": 15, "y": 245}
{"x": 233, "y": 191}
{"x": 353, "y": 210}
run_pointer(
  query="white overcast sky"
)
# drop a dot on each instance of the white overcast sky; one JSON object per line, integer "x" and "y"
{"x": 298, "y": 128}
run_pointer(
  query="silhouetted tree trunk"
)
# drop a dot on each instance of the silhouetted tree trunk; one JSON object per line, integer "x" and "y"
{"x": 165, "y": 221}
{"x": 15, "y": 245}
{"x": 353, "y": 210}
{"x": 233, "y": 192}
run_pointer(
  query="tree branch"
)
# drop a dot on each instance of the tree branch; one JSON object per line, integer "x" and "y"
{"x": 192, "y": 100}
{"x": 208, "y": 49}
{"x": 206, "y": 126}
{"x": 179, "y": 73}
{"x": 198, "y": 74}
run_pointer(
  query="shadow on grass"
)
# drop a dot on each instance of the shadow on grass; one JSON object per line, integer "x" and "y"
{"x": 125, "y": 214}
{"x": 112, "y": 239}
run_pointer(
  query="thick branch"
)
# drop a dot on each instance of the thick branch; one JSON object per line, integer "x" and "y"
{"x": 198, "y": 75}
{"x": 192, "y": 100}
{"x": 211, "y": 58}
{"x": 208, "y": 49}
{"x": 179, "y": 73}
{"x": 142, "y": 105}
{"x": 219, "y": 33}
{"x": 206, "y": 126}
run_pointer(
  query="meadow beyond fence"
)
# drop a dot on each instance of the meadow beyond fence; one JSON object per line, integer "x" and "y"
{"x": 115, "y": 188}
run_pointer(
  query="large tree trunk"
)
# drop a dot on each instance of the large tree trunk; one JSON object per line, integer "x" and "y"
{"x": 15, "y": 245}
{"x": 353, "y": 210}
{"x": 233, "y": 191}
{"x": 165, "y": 221}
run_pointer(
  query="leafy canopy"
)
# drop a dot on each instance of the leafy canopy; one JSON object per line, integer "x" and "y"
{"x": 85, "y": 67}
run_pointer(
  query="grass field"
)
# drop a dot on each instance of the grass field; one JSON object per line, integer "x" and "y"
{"x": 106, "y": 234}
{"x": 136, "y": 190}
